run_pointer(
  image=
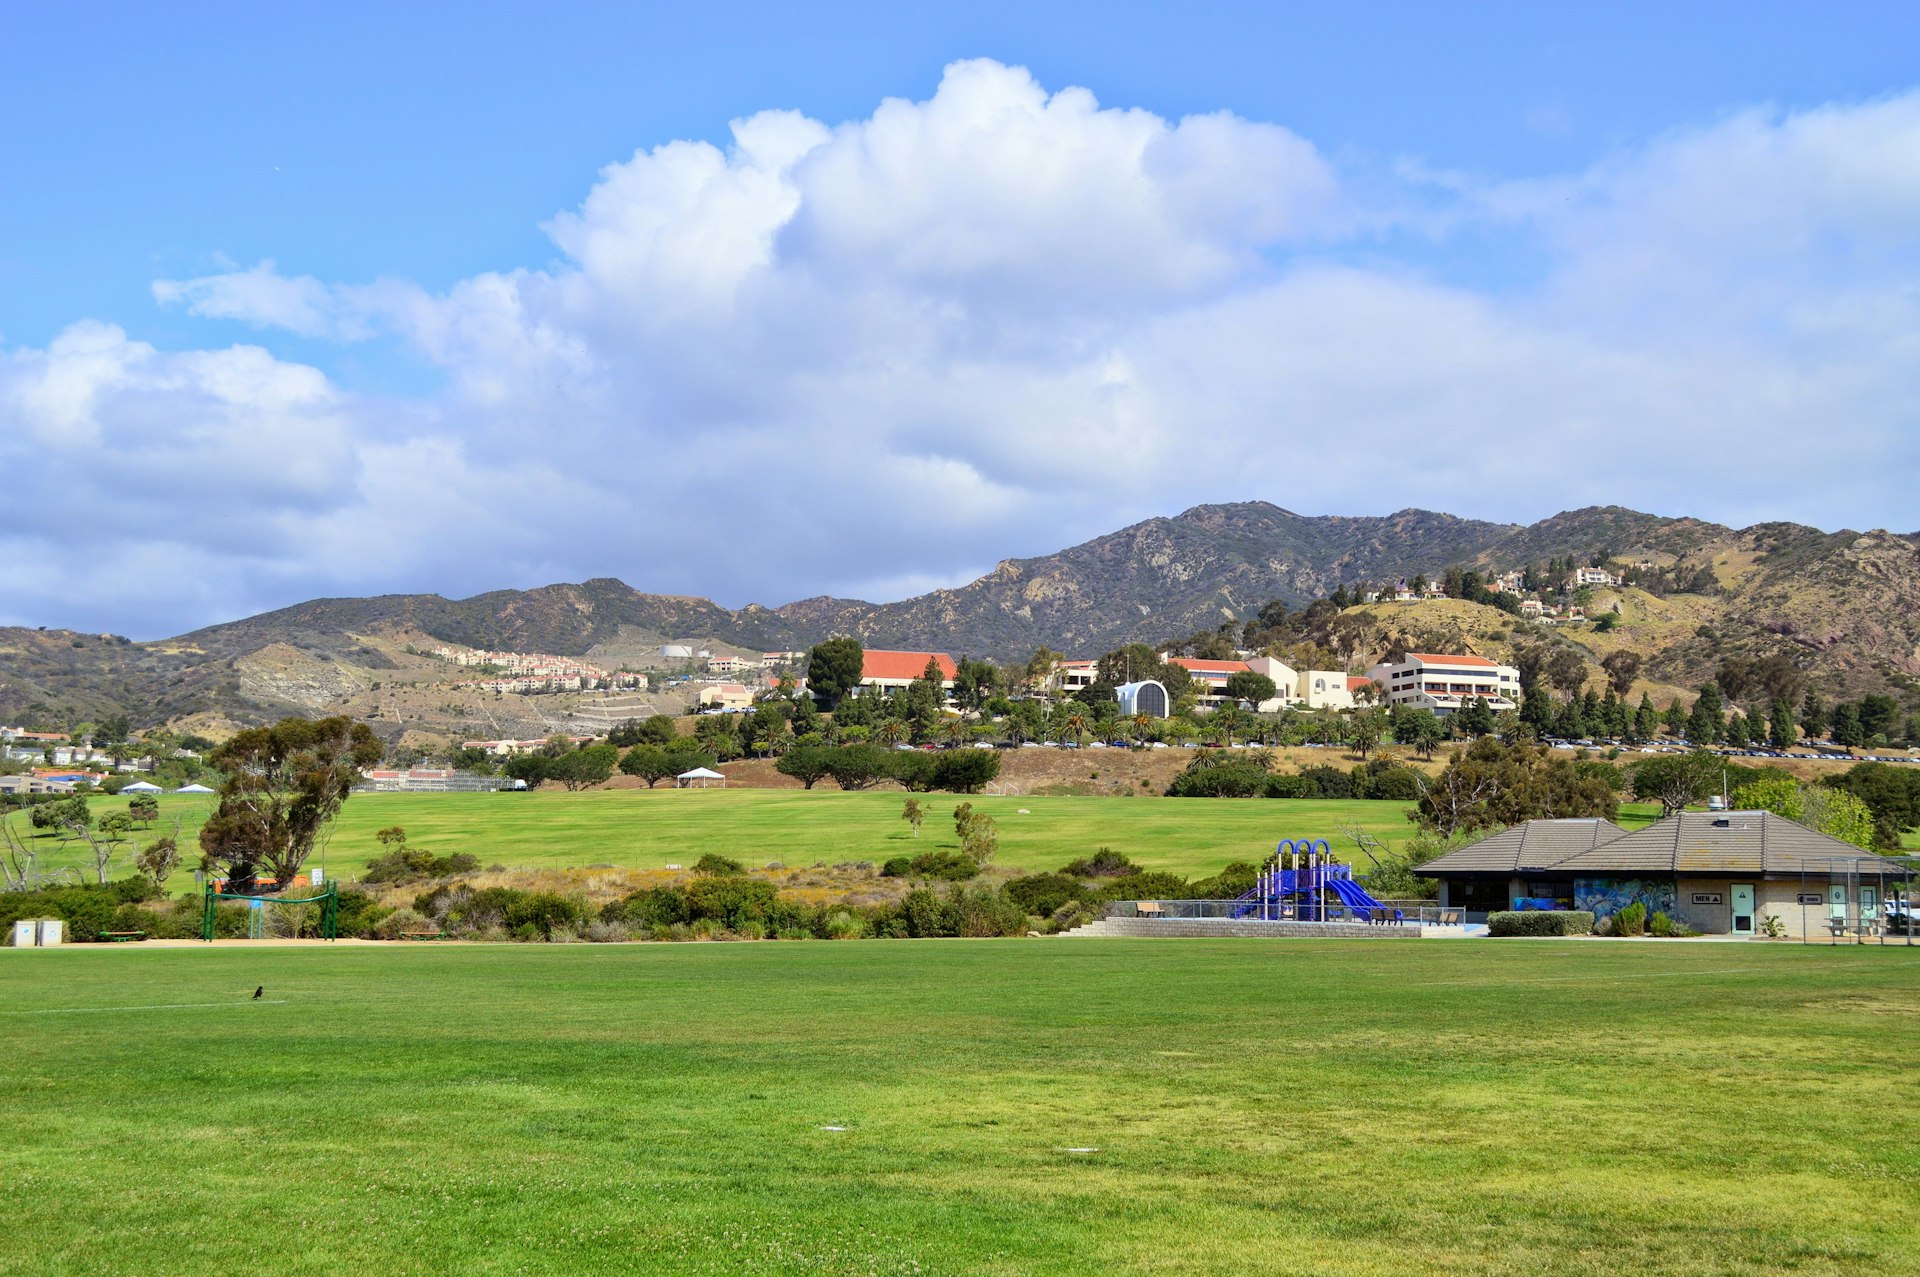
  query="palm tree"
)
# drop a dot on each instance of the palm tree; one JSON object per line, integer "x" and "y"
{"x": 957, "y": 731}
{"x": 1221, "y": 725}
{"x": 1073, "y": 726}
{"x": 1142, "y": 728}
{"x": 893, "y": 731}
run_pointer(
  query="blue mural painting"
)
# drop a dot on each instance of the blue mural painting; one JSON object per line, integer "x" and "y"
{"x": 1606, "y": 895}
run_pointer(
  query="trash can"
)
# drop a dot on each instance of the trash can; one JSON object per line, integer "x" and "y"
{"x": 32, "y": 933}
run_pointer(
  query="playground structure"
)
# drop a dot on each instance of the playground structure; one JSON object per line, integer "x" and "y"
{"x": 328, "y": 900}
{"x": 1302, "y": 882}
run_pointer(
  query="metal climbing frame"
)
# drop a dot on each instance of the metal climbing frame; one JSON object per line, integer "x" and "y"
{"x": 1296, "y": 881}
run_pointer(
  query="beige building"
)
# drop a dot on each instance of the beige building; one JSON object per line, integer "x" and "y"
{"x": 1721, "y": 873}
{"x": 1444, "y": 684}
{"x": 1328, "y": 689}
{"x": 724, "y": 696}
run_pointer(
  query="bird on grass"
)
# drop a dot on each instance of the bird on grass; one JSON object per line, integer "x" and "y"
{"x": 257, "y": 993}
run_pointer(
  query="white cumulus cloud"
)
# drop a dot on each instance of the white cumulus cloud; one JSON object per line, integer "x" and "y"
{"x": 835, "y": 356}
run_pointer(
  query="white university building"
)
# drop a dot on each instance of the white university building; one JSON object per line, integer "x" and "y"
{"x": 1444, "y": 684}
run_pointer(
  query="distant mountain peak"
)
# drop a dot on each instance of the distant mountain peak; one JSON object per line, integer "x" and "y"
{"x": 1847, "y": 603}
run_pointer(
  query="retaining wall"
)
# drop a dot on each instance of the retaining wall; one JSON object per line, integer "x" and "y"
{"x": 1242, "y": 927}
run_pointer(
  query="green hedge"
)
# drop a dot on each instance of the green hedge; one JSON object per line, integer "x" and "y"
{"x": 1540, "y": 922}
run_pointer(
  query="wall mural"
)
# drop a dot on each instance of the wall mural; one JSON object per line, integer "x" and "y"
{"x": 1604, "y": 896}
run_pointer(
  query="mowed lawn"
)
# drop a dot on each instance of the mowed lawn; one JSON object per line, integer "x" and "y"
{"x": 645, "y": 829}
{"x": 1008, "y": 1107}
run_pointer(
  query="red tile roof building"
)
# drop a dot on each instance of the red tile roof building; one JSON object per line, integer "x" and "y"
{"x": 883, "y": 673}
{"x": 1209, "y": 674}
{"x": 903, "y": 667}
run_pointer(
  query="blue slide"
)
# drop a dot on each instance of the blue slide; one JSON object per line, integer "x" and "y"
{"x": 1355, "y": 898}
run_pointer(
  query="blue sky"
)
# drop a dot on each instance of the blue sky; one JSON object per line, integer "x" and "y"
{"x": 1544, "y": 228}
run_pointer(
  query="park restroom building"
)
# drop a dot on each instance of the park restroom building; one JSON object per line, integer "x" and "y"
{"x": 1721, "y": 873}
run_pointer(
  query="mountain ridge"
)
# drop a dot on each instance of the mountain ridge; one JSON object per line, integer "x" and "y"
{"x": 1844, "y": 603}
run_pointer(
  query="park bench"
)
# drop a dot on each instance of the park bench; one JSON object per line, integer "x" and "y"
{"x": 1451, "y": 919}
{"x": 1150, "y": 909}
{"x": 122, "y": 937}
{"x": 423, "y": 935}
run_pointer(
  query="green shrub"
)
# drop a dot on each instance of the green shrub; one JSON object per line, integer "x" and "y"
{"x": 1288, "y": 787}
{"x": 408, "y": 864}
{"x": 1236, "y": 879}
{"x": 1539, "y": 922}
{"x": 359, "y": 912}
{"x": 88, "y": 908}
{"x": 730, "y": 901}
{"x": 547, "y": 912}
{"x": 654, "y": 907}
{"x": 1386, "y": 779}
{"x": 400, "y": 921}
{"x": 1149, "y": 885}
{"x": 1326, "y": 782}
{"x": 948, "y": 866}
{"x": 842, "y": 925}
{"x": 913, "y": 769}
{"x": 715, "y": 863}
{"x": 925, "y": 914}
{"x": 964, "y": 771}
{"x": 1660, "y": 924}
{"x": 1211, "y": 776}
{"x": 1630, "y": 921}
{"x": 1104, "y": 863}
{"x": 983, "y": 911}
{"x": 897, "y": 867}
{"x": 468, "y": 910}
{"x": 1043, "y": 894}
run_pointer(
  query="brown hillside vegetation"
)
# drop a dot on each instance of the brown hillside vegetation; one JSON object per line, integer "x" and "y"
{"x": 1843, "y": 606}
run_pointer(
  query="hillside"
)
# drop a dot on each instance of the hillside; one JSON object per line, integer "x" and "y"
{"x": 1844, "y": 605}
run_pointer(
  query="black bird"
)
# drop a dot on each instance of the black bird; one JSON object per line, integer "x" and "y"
{"x": 257, "y": 992}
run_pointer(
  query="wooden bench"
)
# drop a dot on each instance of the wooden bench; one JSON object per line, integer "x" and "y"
{"x": 1451, "y": 919}
{"x": 423, "y": 935}
{"x": 122, "y": 937}
{"x": 1149, "y": 909}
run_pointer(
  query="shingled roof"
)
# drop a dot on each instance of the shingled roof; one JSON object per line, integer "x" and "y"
{"x": 1532, "y": 845}
{"x": 1714, "y": 844}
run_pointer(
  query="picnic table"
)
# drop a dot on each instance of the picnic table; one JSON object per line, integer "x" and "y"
{"x": 122, "y": 937}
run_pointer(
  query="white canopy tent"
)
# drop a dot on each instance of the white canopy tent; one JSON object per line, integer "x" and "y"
{"x": 193, "y": 789}
{"x": 140, "y": 787}
{"x": 700, "y": 776}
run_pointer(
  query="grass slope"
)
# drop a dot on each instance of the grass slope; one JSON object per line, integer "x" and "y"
{"x": 1391, "y": 1107}
{"x": 645, "y": 829}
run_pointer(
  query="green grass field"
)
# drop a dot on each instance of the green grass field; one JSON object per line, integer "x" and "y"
{"x": 645, "y": 829}
{"x": 1305, "y": 1107}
